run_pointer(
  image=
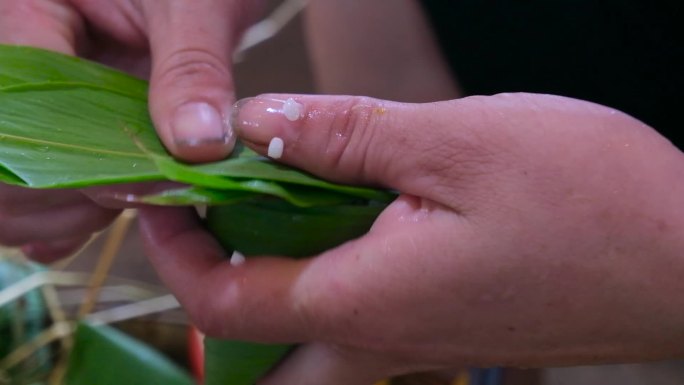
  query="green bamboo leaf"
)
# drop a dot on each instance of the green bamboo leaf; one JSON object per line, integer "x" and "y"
{"x": 110, "y": 140}
{"x": 274, "y": 227}
{"x": 239, "y": 363}
{"x": 257, "y": 167}
{"x": 80, "y": 111}
{"x": 188, "y": 196}
{"x": 297, "y": 195}
{"x": 104, "y": 356}
{"x": 21, "y": 65}
{"x": 74, "y": 137}
{"x": 67, "y": 122}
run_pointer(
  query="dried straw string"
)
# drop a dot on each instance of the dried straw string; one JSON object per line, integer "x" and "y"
{"x": 53, "y": 333}
{"x": 67, "y": 342}
{"x": 36, "y": 280}
{"x": 63, "y": 264}
{"x": 270, "y": 26}
{"x": 127, "y": 287}
{"x": 106, "y": 259}
{"x": 134, "y": 310}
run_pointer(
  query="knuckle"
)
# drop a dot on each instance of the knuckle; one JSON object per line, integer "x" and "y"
{"x": 351, "y": 134}
{"x": 306, "y": 312}
{"x": 192, "y": 66}
{"x": 205, "y": 324}
{"x": 208, "y": 308}
{"x": 326, "y": 308}
{"x": 202, "y": 315}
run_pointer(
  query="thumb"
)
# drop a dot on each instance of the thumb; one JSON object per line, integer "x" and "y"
{"x": 191, "y": 86}
{"x": 355, "y": 140}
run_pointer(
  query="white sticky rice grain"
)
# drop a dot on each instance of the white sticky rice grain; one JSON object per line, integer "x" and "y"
{"x": 275, "y": 148}
{"x": 237, "y": 259}
{"x": 292, "y": 110}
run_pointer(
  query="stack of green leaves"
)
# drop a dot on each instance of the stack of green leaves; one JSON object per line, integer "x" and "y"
{"x": 66, "y": 122}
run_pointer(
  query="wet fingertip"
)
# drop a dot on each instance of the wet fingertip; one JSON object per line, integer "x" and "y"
{"x": 235, "y": 123}
{"x": 239, "y": 127}
{"x": 258, "y": 120}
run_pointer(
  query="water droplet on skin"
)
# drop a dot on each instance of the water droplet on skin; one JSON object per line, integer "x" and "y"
{"x": 134, "y": 165}
{"x": 44, "y": 148}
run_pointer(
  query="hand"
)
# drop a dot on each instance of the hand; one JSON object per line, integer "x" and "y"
{"x": 49, "y": 225}
{"x": 532, "y": 230}
{"x": 187, "y": 48}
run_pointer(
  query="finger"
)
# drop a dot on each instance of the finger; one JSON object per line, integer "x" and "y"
{"x": 191, "y": 83}
{"x": 48, "y": 252}
{"x": 55, "y": 224}
{"x": 315, "y": 364}
{"x": 250, "y": 301}
{"x": 17, "y": 201}
{"x": 51, "y": 25}
{"x": 353, "y": 139}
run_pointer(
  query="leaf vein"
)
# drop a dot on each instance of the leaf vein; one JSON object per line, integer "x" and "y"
{"x": 18, "y": 138}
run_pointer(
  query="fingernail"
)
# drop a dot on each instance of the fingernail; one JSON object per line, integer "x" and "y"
{"x": 260, "y": 120}
{"x": 197, "y": 124}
